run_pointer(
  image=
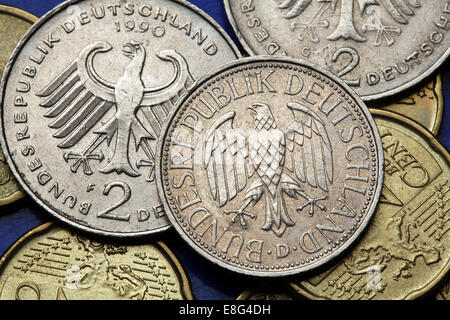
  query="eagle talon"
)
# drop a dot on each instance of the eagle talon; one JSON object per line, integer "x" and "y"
{"x": 240, "y": 214}
{"x": 313, "y": 202}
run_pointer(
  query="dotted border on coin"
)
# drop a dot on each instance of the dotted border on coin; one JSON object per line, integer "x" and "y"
{"x": 196, "y": 239}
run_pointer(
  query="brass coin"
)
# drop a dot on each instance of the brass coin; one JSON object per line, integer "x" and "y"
{"x": 14, "y": 23}
{"x": 405, "y": 250}
{"x": 89, "y": 88}
{"x": 379, "y": 47}
{"x": 425, "y": 106}
{"x": 52, "y": 263}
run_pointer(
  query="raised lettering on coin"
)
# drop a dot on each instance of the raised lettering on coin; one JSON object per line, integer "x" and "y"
{"x": 84, "y": 101}
{"x": 379, "y": 47}
{"x": 270, "y": 167}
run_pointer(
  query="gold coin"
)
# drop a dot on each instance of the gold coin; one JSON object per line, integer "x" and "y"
{"x": 51, "y": 263}
{"x": 14, "y": 23}
{"x": 404, "y": 252}
{"x": 424, "y": 106}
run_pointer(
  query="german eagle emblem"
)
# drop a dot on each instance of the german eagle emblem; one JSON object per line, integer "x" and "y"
{"x": 399, "y": 10}
{"x": 78, "y": 98}
{"x": 232, "y": 158}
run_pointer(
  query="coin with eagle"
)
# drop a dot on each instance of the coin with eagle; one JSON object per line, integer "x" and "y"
{"x": 84, "y": 100}
{"x": 379, "y": 47}
{"x": 270, "y": 166}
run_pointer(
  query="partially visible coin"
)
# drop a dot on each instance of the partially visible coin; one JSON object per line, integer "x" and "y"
{"x": 404, "y": 253}
{"x": 426, "y": 106}
{"x": 52, "y": 263}
{"x": 270, "y": 166}
{"x": 84, "y": 100}
{"x": 10, "y": 190}
{"x": 380, "y": 47}
{"x": 14, "y": 23}
{"x": 444, "y": 293}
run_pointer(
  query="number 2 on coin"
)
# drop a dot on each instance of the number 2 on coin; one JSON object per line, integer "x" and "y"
{"x": 126, "y": 196}
{"x": 349, "y": 67}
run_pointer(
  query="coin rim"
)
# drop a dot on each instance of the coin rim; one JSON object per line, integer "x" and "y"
{"x": 56, "y": 212}
{"x": 362, "y": 226}
{"x": 440, "y": 149}
{"x": 440, "y": 108}
{"x": 248, "y": 293}
{"x": 30, "y": 18}
{"x": 185, "y": 285}
{"x": 373, "y": 97}
{"x": 438, "y": 111}
{"x": 19, "y": 13}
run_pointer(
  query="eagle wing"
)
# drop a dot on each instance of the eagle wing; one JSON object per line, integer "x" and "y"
{"x": 158, "y": 102}
{"x": 226, "y": 160}
{"x": 398, "y": 9}
{"x": 296, "y": 7}
{"x": 307, "y": 140}
{"x": 76, "y": 101}
{"x": 78, "y": 97}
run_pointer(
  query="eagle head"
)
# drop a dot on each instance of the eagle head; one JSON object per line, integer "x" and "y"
{"x": 132, "y": 49}
{"x": 262, "y": 116}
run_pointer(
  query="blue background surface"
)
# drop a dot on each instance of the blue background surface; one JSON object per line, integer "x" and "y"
{"x": 208, "y": 280}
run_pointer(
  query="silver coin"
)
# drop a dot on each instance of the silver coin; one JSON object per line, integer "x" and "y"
{"x": 270, "y": 166}
{"x": 84, "y": 99}
{"x": 378, "y": 47}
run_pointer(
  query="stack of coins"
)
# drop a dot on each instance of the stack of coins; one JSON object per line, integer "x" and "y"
{"x": 142, "y": 133}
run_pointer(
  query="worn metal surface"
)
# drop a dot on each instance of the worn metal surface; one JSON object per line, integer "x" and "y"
{"x": 425, "y": 105}
{"x": 84, "y": 100}
{"x": 14, "y": 23}
{"x": 53, "y": 263}
{"x": 380, "y": 47}
{"x": 404, "y": 253}
{"x": 270, "y": 167}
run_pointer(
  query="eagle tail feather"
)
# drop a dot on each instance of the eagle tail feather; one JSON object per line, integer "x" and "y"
{"x": 277, "y": 217}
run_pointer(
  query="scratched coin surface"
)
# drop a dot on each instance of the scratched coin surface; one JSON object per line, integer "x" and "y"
{"x": 379, "y": 47}
{"x": 84, "y": 100}
{"x": 53, "y": 263}
{"x": 405, "y": 252}
{"x": 270, "y": 166}
{"x": 13, "y": 25}
{"x": 425, "y": 106}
